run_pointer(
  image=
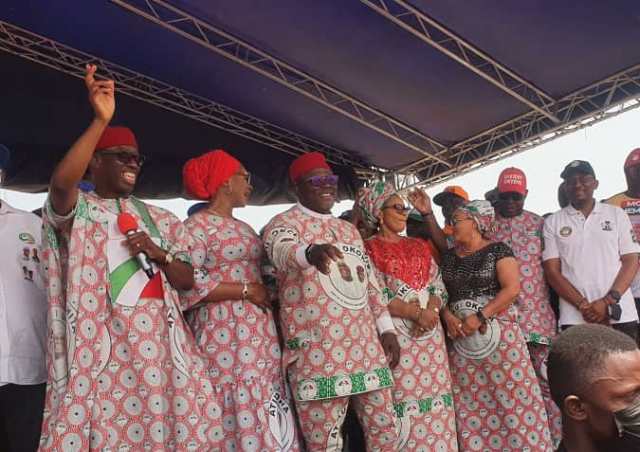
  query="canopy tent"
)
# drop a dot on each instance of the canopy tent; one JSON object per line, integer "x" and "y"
{"x": 427, "y": 88}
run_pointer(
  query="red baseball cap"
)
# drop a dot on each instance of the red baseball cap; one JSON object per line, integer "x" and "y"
{"x": 633, "y": 158}
{"x": 512, "y": 180}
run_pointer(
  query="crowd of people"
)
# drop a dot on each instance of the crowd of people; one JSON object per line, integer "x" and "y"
{"x": 123, "y": 328}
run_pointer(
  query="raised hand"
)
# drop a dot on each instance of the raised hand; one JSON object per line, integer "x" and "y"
{"x": 420, "y": 200}
{"x": 101, "y": 94}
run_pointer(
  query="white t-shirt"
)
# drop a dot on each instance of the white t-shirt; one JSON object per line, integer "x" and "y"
{"x": 23, "y": 304}
{"x": 589, "y": 251}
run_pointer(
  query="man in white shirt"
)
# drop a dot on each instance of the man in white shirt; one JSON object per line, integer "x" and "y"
{"x": 591, "y": 256}
{"x": 23, "y": 319}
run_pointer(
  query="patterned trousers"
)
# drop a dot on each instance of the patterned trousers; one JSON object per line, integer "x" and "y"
{"x": 321, "y": 421}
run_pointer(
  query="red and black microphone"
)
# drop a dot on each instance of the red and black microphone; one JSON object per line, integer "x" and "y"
{"x": 128, "y": 225}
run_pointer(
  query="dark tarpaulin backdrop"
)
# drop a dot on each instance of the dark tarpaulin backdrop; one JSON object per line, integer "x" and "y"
{"x": 558, "y": 47}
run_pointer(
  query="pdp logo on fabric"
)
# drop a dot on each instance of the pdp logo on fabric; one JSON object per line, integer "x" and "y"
{"x": 566, "y": 231}
{"x": 27, "y": 238}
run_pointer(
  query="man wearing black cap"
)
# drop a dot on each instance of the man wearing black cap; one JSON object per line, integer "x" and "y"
{"x": 591, "y": 256}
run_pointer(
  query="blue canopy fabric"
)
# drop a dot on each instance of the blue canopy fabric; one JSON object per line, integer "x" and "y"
{"x": 558, "y": 47}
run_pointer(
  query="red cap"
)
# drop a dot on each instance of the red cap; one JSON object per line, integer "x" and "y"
{"x": 632, "y": 159}
{"x": 512, "y": 180}
{"x": 305, "y": 163}
{"x": 127, "y": 222}
{"x": 116, "y": 136}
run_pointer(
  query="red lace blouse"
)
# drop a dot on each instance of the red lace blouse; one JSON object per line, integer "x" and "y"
{"x": 409, "y": 259}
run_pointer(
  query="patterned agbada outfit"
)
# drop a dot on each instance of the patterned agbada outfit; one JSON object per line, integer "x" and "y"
{"x": 523, "y": 234}
{"x": 422, "y": 395}
{"x": 332, "y": 353}
{"x": 123, "y": 370}
{"x": 498, "y": 401}
{"x": 239, "y": 339}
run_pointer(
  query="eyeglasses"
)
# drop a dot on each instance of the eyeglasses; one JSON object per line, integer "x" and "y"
{"x": 246, "y": 176}
{"x": 455, "y": 220}
{"x": 322, "y": 181}
{"x": 400, "y": 208}
{"x": 125, "y": 157}
{"x": 510, "y": 196}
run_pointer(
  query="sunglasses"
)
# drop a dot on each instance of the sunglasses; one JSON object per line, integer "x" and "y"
{"x": 510, "y": 196}
{"x": 322, "y": 181}
{"x": 400, "y": 208}
{"x": 125, "y": 157}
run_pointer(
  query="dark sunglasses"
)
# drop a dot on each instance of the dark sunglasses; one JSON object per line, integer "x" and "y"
{"x": 125, "y": 157}
{"x": 510, "y": 196}
{"x": 400, "y": 208}
{"x": 322, "y": 181}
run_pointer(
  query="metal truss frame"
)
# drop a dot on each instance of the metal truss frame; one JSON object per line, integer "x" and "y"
{"x": 238, "y": 51}
{"x": 23, "y": 43}
{"x": 434, "y": 34}
{"x": 602, "y": 100}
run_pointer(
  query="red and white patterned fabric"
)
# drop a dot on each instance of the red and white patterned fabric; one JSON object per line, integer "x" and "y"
{"x": 239, "y": 339}
{"x": 323, "y": 419}
{"x": 537, "y": 321}
{"x": 120, "y": 376}
{"x": 498, "y": 401}
{"x": 332, "y": 348}
{"x": 422, "y": 396}
{"x": 523, "y": 234}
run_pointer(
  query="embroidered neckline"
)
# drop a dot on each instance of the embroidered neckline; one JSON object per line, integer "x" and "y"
{"x": 313, "y": 213}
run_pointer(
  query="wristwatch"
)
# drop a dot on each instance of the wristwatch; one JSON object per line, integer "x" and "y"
{"x": 614, "y": 295}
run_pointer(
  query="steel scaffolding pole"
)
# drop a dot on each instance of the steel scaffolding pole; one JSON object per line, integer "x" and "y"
{"x": 434, "y": 34}
{"x": 234, "y": 49}
{"x": 602, "y": 100}
{"x": 47, "y": 52}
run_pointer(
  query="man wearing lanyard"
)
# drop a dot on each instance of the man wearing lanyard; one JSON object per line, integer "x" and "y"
{"x": 23, "y": 324}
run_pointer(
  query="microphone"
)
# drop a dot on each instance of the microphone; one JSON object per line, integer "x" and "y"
{"x": 128, "y": 225}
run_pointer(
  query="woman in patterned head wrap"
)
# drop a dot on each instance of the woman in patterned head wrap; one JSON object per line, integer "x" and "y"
{"x": 412, "y": 285}
{"x": 233, "y": 323}
{"x": 494, "y": 384}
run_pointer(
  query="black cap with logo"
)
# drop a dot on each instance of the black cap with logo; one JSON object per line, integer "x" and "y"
{"x": 577, "y": 166}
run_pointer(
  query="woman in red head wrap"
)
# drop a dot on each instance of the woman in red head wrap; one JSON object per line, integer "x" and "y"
{"x": 232, "y": 321}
